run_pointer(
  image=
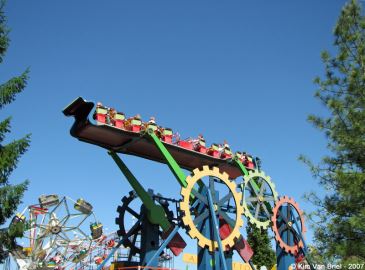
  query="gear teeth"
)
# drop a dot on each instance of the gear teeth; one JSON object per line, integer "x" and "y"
{"x": 226, "y": 176}
{"x": 291, "y": 203}
{"x": 195, "y": 171}
{"x": 185, "y": 192}
{"x": 185, "y": 220}
{"x": 185, "y": 207}
{"x": 119, "y": 209}
{"x": 188, "y": 179}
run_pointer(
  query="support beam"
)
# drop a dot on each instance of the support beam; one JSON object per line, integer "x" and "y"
{"x": 171, "y": 162}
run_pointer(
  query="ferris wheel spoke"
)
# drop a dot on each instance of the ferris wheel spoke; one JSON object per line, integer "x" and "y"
{"x": 251, "y": 199}
{"x": 82, "y": 221}
{"x": 252, "y": 187}
{"x": 60, "y": 235}
{"x": 211, "y": 185}
{"x": 64, "y": 220}
{"x": 132, "y": 212}
{"x": 266, "y": 211}
{"x": 225, "y": 198}
{"x": 283, "y": 217}
{"x": 269, "y": 198}
{"x": 65, "y": 235}
{"x": 199, "y": 196}
{"x": 282, "y": 228}
{"x": 257, "y": 210}
{"x": 262, "y": 188}
{"x": 227, "y": 218}
{"x": 201, "y": 217}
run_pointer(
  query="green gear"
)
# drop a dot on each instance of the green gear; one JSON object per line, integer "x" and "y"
{"x": 256, "y": 182}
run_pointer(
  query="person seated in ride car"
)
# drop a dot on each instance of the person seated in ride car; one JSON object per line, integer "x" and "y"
{"x": 152, "y": 121}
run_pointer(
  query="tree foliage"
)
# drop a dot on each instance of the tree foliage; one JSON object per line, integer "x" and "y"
{"x": 261, "y": 245}
{"x": 339, "y": 220}
{"x": 10, "y": 153}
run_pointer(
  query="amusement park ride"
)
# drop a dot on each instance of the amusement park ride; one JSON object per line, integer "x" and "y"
{"x": 221, "y": 188}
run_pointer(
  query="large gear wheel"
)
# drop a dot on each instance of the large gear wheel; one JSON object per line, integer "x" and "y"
{"x": 259, "y": 196}
{"x": 198, "y": 207}
{"x": 288, "y": 225}
{"x": 125, "y": 208}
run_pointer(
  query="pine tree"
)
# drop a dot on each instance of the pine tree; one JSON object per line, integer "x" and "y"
{"x": 10, "y": 153}
{"x": 339, "y": 221}
{"x": 260, "y": 243}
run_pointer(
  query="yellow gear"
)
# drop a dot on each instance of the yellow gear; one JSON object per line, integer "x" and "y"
{"x": 193, "y": 232}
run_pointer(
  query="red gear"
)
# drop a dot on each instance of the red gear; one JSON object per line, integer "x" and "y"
{"x": 292, "y": 249}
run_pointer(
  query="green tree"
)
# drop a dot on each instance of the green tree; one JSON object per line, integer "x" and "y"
{"x": 339, "y": 219}
{"x": 10, "y": 153}
{"x": 261, "y": 245}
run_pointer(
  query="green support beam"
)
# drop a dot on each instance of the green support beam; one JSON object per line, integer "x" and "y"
{"x": 171, "y": 162}
{"x": 156, "y": 213}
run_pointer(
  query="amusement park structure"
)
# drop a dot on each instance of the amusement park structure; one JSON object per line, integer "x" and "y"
{"x": 221, "y": 188}
{"x": 63, "y": 234}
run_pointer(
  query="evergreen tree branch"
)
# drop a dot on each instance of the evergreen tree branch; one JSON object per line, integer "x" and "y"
{"x": 12, "y": 87}
{"x": 9, "y": 157}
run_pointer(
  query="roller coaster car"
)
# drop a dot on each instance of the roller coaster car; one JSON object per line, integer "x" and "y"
{"x": 133, "y": 124}
{"x": 226, "y": 153}
{"x": 213, "y": 150}
{"x": 200, "y": 146}
{"x": 239, "y": 156}
{"x": 185, "y": 144}
{"x": 248, "y": 161}
{"x": 17, "y": 219}
{"x": 166, "y": 135}
{"x": 119, "y": 119}
{"x": 83, "y": 206}
{"x": 48, "y": 200}
{"x": 100, "y": 115}
{"x": 151, "y": 126}
{"x": 96, "y": 230}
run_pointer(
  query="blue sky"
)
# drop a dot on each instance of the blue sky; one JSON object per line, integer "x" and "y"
{"x": 235, "y": 70}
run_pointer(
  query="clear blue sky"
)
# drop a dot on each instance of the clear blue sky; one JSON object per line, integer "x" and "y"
{"x": 235, "y": 70}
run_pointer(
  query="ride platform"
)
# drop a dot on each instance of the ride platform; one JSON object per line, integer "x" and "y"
{"x": 137, "y": 143}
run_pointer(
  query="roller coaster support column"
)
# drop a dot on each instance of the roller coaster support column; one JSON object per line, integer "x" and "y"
{"x": 216, "y": 230}
{"x": 149, "y": 241}
{"x": 155, "y": 213}
{"x": 207, "y": 260}
{"x": 284, "y": 260}
{"x": 300, "y": 237}
{"x": 163, "y": 246}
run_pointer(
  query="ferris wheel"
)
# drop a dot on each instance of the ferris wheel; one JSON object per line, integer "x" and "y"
{"x": 58, "y": 233}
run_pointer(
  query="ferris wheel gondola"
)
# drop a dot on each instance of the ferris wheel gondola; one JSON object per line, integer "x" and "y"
{"x": 58, "y": 233}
